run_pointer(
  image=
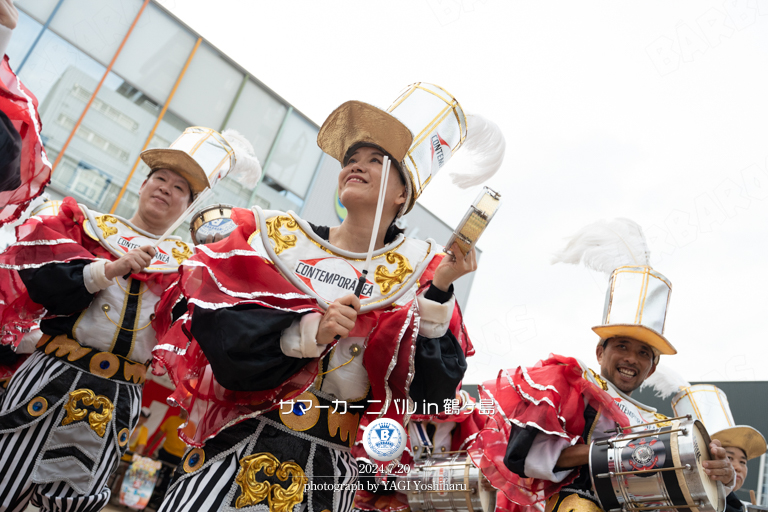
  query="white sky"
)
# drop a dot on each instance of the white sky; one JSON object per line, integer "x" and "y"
{"x": 653, "y": 110}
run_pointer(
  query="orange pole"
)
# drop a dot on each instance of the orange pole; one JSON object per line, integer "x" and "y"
{"x": 157, "y": 123}
{"x": 93, "y": 96}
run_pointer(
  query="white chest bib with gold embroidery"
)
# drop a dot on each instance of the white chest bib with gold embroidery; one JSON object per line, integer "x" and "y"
{"x": 118, "y": 236}
{"x": 328, "y": 273}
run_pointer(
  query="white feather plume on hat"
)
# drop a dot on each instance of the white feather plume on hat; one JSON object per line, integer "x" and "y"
{"x": 606, "y": 245}
{"x": 665, "y": 382}
{"x": 481, "y": 153}
{"x": 247, "y": 169}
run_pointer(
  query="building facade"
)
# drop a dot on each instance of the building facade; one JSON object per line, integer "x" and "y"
{"x": 115, "y": 77}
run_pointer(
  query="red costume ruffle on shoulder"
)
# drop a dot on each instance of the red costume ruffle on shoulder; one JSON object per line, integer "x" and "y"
{"x": 20, "y": 105}
{"x": 549, "y": 397}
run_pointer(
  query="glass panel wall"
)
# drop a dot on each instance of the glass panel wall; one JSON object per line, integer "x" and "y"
{"x": 96, "y": 27}
{"x": 155, "y": 54}
{"x": 295, "y": 156}
{"x": 258, "y": 116}
{"x": 208, "y": 89}
{"x": 38, "y": 9}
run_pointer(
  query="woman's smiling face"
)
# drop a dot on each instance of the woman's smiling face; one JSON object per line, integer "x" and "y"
{"x": 360, "y": 179}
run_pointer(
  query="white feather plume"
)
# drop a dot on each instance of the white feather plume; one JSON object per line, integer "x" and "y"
{"x": 665, "y": 382}
{"x": 606, "y": 245}
{"x": 481, "y": 154}
{"x": 247, "y": 169}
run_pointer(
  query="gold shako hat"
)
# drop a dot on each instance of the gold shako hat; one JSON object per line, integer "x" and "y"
{"x": 439, "y": 128}
{"x": 637, "y": 297}
{"x": 710, "y": 405}
{"x": 204, "y": 156}
{"x": 421, "y": 130}
{"x": 636, "y": 307}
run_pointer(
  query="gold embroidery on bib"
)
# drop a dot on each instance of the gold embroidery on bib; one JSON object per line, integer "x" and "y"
{"x": 182, "y": 255}
{"x": 101, "y": 222}
{"x": 282, "y": 242}
{"x": 387, "y": 280}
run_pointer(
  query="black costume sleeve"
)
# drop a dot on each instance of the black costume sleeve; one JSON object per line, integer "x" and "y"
{"x": 520, "y": 442}
{"x": 59, "y": 287}
{"x": 242, "y": 343}
{"x": 439, "y": 366}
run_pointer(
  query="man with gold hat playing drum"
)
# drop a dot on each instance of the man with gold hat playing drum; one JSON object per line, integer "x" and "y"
{"x": 536, "y": 446}
{"x": 743, "y": 443}
{"x": 278, "y": 362}
{"x": 93, "y": 281}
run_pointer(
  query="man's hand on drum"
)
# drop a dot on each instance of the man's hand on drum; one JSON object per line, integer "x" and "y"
{"x": 720, "y": 467}
{"x": 339, "y": 319}
{"x": 453, "y": 267}
{"x": 134, "y": 261}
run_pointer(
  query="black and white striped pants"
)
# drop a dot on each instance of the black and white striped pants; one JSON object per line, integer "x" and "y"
{"x": 213, "y": 487}
{"x": 33, "y": 449}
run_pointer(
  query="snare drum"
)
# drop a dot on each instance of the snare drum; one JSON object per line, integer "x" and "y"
{"x": 658, "y": 469}
{"x": 447, "y": 483}
{"x": 211, "y": 220}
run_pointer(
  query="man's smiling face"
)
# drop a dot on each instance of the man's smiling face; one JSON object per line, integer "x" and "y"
{"x": 625, "y": 362}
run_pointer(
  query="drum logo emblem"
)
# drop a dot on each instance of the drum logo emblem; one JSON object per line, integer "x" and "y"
{"x": 384, "y": 439}
{"x": 644, "y": 454}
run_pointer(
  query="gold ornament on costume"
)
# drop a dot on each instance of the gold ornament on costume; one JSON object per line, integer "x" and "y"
{"x": 134, "y": 372}
{"x": 37, "y": 406}
{"x": 182, "y": 255}
{"x": 194, "y": 460}
{"x": 104, "y": 364}
{"x": 345, "y": 424}
{"x": 123, "y": 437}
{"x": 253, "y": 491}
{"x": 601, "y": 381}
{"x": 387, "y": 280}
{"x": 661, "y": 417}
{"x": 97, "y": 420}
{"x": 282, "y": 242}
{"x": 101, "y": 222}
{"x": 571, "y": 503}
{"x": 311, "y": 412}
{"x": 65, "y": 347}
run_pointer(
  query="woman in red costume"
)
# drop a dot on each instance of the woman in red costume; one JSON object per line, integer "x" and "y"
{"x": 277, "y": 400}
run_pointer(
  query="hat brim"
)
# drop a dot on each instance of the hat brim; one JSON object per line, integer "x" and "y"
{"x": 179, "y": 162}
{"x": 744, "y": 437}
{"x": 636, "y": 332}
{"x": 355, "y": 122}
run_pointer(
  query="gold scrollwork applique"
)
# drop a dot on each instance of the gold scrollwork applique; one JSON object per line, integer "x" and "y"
{"x": 101, "y": 222}
{"x": 387, "y": 280}
{"x": 253, "y": 491}
{"x": 97, "y": 420}
{"x": 282, "y": 242}
{"x": 182, "y": 255}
